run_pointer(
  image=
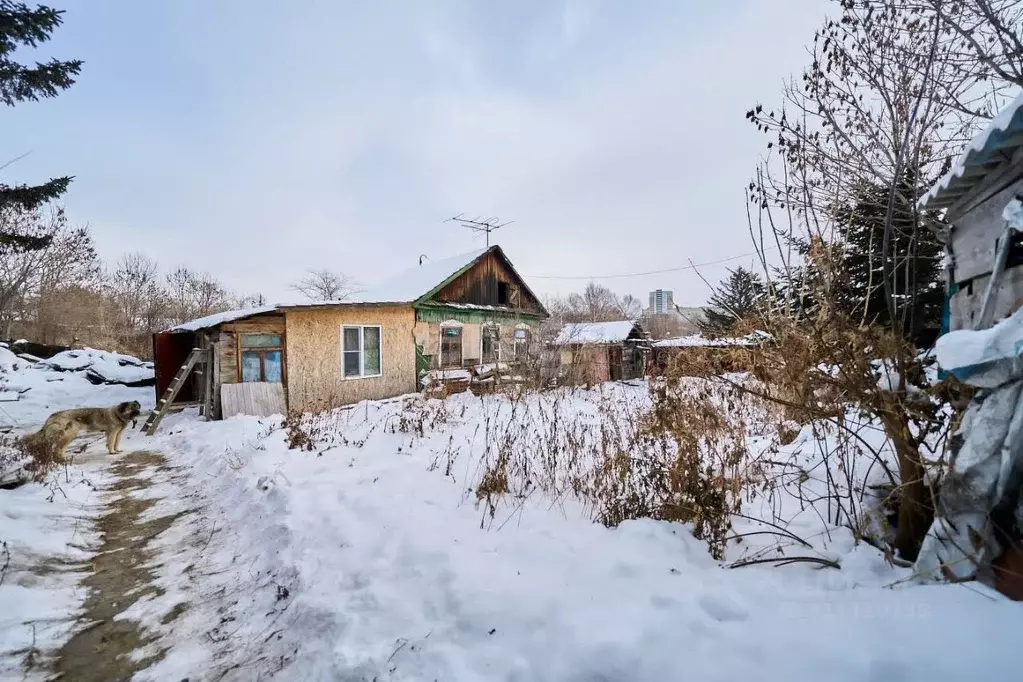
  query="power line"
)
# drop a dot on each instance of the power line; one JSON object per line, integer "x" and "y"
{"x": 649, "y": 272}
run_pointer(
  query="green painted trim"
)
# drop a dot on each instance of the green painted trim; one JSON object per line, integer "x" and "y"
{"x": 440, "y": 313}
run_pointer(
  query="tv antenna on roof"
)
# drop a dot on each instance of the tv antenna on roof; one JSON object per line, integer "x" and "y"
{"x": 480, "y": 224}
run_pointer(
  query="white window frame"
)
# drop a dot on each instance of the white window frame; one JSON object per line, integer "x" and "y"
{"x": 498, "y": 328}
{"x": 362, "y": 352}
{"x": 454, "y": 324}
{"x": 525, "y": 342}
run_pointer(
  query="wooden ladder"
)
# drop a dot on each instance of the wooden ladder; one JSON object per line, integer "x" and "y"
{"x": 164, "y": 403}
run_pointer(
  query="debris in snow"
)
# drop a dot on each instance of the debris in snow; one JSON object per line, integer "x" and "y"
{"x": 102, "y": 367}
{"x": 979, "y": 356}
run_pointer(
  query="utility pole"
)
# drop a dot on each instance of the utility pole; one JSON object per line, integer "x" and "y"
{"x": 480, "y": 224}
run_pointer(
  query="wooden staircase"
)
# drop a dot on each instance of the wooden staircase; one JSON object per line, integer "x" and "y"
{"x": 164, "y": 403}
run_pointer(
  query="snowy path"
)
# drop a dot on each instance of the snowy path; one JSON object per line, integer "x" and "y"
{"x": 119, "y": 574}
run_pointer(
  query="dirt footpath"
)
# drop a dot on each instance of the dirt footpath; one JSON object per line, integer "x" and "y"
{"x": 101, "y": 648}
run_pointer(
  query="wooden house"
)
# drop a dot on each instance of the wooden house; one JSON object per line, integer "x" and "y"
{"x": 593, "y": 352}
{"x": 459, "y": 312}
{"x": 974, "y": 193}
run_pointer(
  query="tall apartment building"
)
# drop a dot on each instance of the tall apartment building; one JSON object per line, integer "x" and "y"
{"x": 661, "y": 302}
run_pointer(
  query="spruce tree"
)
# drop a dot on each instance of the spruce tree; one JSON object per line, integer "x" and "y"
{"x": 738, "y": 296}
{"x": 913, "y": 268}
{"x": 22, "y": 26}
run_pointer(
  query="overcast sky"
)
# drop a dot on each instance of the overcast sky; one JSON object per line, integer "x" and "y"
{"x": 257, "y": 138}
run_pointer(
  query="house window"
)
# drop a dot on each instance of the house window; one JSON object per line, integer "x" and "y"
{"x": 451, "y": 346}
{"x": 502, "y": 293}
{"x": 521, "y": 344}
{"x": 360, "y": 351}
{"x": 261, "y": 357}
{"x": 491, "y": 340}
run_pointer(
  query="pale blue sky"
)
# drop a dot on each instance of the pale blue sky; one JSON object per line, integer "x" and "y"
{"x": 256, "y": 139}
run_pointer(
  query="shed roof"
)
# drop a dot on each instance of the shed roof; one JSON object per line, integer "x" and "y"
{"x": 698, "y": 341}
{"x": 594, "y": 332}
{"x": 989, "y": 150}
{"x": 221, "y": 318}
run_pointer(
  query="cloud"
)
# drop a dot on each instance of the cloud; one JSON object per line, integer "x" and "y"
{"x": 343, "y": 136}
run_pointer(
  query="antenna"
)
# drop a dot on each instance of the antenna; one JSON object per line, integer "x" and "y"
{"x": 480, "y": 224}
{"x": 421, "y": 257}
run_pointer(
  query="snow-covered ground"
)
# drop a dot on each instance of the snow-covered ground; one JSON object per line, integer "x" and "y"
{"x": 45, "y": 526}
{"x": 367, "y": 557}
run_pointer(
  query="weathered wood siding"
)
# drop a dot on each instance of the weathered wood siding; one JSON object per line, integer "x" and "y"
{"x": 481, "y": 286}
{"x": 975, "y": 235}
{"x": 258, "y": 398}
{"x": 226, "y": 343}
{"x": 313, "y": 355}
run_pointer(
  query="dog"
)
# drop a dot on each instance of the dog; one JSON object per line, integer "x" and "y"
{"x": 61, "y": 428}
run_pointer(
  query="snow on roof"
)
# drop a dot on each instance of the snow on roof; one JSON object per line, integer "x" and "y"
{"x": 415, "y": 282}
{"x": 594, "y": 332}
{"x": 220, "y": 318}
{"x": 1001, "y": 135}
{"x": 697, "y": 341}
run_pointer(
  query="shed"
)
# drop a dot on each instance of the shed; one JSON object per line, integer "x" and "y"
{"x": 698, "y": 355}
{"x": 974, "y": 194}
{"x": 593, "y": 352}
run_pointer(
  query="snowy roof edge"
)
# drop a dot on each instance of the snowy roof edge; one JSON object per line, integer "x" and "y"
{"x": 1001, "y": 135}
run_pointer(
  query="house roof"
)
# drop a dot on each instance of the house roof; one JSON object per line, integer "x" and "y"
{"x": 412, "y": 284}
{"x": 594, "y": 332}
{"x": 992, "y": 148}
{"x": 408, "y": 287}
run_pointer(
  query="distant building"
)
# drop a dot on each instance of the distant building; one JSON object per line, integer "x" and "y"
{"x": 661, "y": 302}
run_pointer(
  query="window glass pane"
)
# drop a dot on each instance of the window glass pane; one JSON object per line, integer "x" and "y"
{"x": 351, "y": 338}
{"x": 272, "y": 366}
{"x": 260, "y": 340}
{"x": 520, "y": 334}
{"x": 371, "y": 364}
{"x": 250, "y": 366}
{"x": 371, "y": 338}
{"x": 451, "y": 347}
{"x": 490, "y": 344}
{"x": 351, "y": 363}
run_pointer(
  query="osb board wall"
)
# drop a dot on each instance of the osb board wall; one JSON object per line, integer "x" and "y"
{"x": 313, "y": 357}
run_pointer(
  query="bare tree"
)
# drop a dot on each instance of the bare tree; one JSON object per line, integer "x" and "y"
{"x": 29, "y": 278}
{"x": 135, "y": 289}
{"x": 325, "y": 285}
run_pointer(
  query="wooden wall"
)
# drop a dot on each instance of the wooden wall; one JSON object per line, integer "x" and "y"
{"x": 313, "y": 357}
{"x": 479, "y": 286}
{"x": 226, "y": 343}
{"x": 973, "y": 243}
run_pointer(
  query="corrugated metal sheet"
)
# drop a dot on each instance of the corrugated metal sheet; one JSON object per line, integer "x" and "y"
{"x": 993, "y": 147}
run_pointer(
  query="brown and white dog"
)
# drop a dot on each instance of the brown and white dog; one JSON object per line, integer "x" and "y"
{"x": 63, "y": 427}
